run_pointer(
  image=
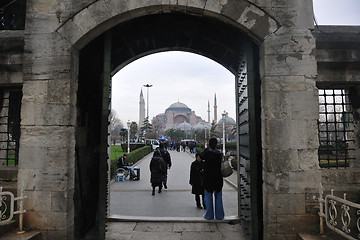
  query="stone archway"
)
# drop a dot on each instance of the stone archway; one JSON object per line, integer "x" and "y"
{"x": 287, "y": 68}
{"x": 139, "y": 37}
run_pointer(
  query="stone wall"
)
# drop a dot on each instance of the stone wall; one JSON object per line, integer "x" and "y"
{"x": 56, "y": 31}
{"x": 11, "y": 57}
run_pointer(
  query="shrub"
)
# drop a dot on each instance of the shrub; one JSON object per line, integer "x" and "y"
{"x": 133, "y": 146}
{"x": 133, "y": 157}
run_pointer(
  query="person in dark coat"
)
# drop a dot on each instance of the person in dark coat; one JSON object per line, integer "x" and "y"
{"x": 213, "y": 181}
{"x": 167, "y": 159}
{"x": 197, "y": 180}
{"x": 157, "y": 170}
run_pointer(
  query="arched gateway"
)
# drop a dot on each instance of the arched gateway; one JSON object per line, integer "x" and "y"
{"x": 70, "y": 56}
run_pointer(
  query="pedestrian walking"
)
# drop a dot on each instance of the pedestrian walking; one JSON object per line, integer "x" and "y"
{"x": 157, "y": 170}
{"x": 213, "y": 181}
{"x": 197, "y": 180}
{"x": 167, "y": 159}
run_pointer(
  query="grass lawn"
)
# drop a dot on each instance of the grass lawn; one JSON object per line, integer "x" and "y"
{"x": 332, "y": 163}
{"x": 116, "y": 152}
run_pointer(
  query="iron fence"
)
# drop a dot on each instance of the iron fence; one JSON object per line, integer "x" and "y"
{"x": 335, "y": 126}
{"x": 341, "y": 216}
{"x": 7, "y": 206}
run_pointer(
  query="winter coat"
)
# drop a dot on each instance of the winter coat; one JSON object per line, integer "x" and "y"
{"x": 213, "y": 180}
{"x": 165, "y": 155}
{"x": 157, "y": 170}
{"x": 197, "y": 177}
{"x": 121, "y": 162}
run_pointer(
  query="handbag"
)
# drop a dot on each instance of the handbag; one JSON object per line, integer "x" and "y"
{"x": 226, "y": 169}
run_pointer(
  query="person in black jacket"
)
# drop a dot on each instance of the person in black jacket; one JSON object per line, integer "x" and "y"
{"x": 167, "y": 159}
{"x": 157, "y": 170}
{"x": 197, "y": 180}
{"x": 213, "y": 181}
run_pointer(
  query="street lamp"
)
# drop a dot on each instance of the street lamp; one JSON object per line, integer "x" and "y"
{"x": 223, "y": 118}
{"x": 147, "y": 87}
{"x": 128, "y": 125}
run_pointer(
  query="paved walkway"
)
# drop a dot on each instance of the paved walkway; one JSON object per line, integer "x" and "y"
{"x": 131, "y": 199}
{"x": 136, "y": 214}
{"x": 173, "y": 231}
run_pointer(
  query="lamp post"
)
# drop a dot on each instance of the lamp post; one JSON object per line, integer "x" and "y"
{"x": 128, "y": 125}
{"x": 223, "y": 118}
{"x": 147, "y": 90}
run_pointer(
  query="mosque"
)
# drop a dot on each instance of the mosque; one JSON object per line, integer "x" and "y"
{"x": 179, "y": 116}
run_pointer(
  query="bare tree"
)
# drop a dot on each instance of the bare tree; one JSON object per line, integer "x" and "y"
{"x": 115, "y": 124}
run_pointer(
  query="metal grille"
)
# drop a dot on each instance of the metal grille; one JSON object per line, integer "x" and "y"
{"x": 10, "y": 103}
{"x": 12, "y": 14}
{"x": 335, "y": 128}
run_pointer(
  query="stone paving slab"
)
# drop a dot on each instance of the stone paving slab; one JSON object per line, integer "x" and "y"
{"x": 133, "y": 198}
{"x": 171, "y": 230}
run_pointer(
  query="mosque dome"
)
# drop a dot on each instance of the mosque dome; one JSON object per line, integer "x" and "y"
{"x": 178, "y": 107}
{"x": 198, "y": 127}
{"x": 228, "y": 121}
{"x": 184, "y": 126}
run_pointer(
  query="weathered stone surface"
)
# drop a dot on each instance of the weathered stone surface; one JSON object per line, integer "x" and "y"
{"x": 292, "y": 134}
{"x": 54, "y": 67}
{"x": 55, "y": 220}
{"x": 288, "y": 64}
{"x": 276, "y": 182}
{"x": 215, "y": 5}
{"x": 281, "y": 161}
{"x": 200, "y": 4}
{"x": 286, "y": 204}
{"x": 99, "y": 11}
{"x": 41, "y": 23}
{"x": 304, "y": 180}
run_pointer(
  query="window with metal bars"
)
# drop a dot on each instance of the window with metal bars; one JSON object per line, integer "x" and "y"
{"x": 10, "y": 103}
{"x": 335, "y": 128}
{"x": 12, "y": 14}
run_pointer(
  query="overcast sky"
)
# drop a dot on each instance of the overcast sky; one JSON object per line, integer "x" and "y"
{"x": 193, "y": 79}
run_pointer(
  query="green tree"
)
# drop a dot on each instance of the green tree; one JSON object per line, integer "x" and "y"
{"x": 175, "y": 134}
{"x": 133, "y": 130}
{"x": 213, "y": 132}
{"x": 146, "y": 128}
{"x": 123, "y": 133}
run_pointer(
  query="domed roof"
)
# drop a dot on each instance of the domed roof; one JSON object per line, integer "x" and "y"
{"x": 184, "y": 126}
{"x": 198, "y": 127}
{"x": 178, "y": 107}
{"x": 228, "y": 120}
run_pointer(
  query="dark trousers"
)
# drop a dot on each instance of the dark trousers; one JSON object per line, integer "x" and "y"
{"x": 197, "y": 199}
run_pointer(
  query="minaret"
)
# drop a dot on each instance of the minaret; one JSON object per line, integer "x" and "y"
{"x": 215, "y": 110}
{"x": 209, "y": 112}
{"x": 141, "y": 109}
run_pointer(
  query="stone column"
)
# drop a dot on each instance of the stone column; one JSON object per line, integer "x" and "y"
{"x": 289, "y": 121}
{"x": 47, "y": 144}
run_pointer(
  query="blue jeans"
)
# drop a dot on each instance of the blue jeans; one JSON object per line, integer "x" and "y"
{"x": 219, "y": 208}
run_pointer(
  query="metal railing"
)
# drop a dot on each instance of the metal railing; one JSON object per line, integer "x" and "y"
{"x": 10, "y": 104}
{"x": 7, "y": 205}
{"x": 341, "y": 216}
{"x": 335, "y": 127}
